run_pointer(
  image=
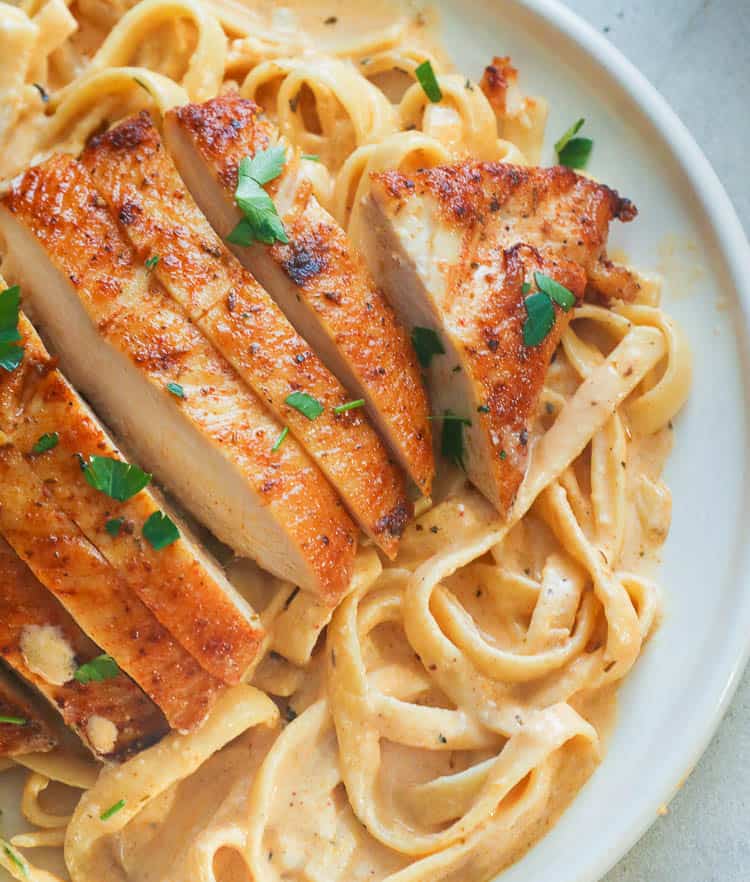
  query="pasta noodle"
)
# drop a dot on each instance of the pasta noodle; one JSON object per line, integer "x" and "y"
{"x": 436, "y": 722}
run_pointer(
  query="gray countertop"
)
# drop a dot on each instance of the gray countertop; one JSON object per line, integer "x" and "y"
{"x": 697, "y": 54}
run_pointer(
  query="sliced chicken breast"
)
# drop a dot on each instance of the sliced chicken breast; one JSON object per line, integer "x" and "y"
{"x": 69, "y": 566}
{"x": 42, "y": 644}
{"x": 181, "y": 585}
{"x": 125, "y": 344}
{"x": 23, "y": 725}
{"x": 456, "y": 272}
{"x": 318, "y": 278}
{"x": 136, "y": 176}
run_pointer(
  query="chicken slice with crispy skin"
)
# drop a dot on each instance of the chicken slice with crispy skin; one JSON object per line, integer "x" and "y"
{"x": 184, "y": 588}
{"x": 318, "y": 278}
{"x": 125, "y": 344}
{"x": 42, "y": 644}
{"x": 458, "y": 249}
{"x": 135, "y": 175}
{"x": 23, "y": 724}
{"x": 66, "y": 563}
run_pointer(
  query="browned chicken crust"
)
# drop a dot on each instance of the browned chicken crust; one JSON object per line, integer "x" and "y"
{"x": 71, "y": 568}
{"x": 139, "y": 180}
{"x": 180, "y": 586}
{"x": 35, "y": 735}
{"x": 25, "y": 603}
{"x": 345, "y": 316}
{"x": 59, "y": 203}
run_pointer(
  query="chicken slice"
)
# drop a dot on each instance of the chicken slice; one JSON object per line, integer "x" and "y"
{"x": 318, "y": 278}
{"x": 184, "y": 588}
{"x": 136, "y": 176}
{"x": 66, "y": 563}
{"x": 42, "y": 644}
{"x": 23, "y": 725}
{"x": 433, "y": 246}
{"x": 123, "y": 342}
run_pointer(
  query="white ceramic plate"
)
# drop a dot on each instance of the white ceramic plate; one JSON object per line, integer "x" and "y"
{"x": 687, "y": 229}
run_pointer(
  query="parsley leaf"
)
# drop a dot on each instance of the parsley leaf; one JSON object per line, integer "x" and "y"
{"x": 160, "y": 531}
{"x": 113, "y": 526}
{"x": 313, "y": 157}
{"x": 280, "y": 440}
{"x": 112, "y": 810}
{"x": 118, "y": 480}
{"x": 176, "y": 390}
{"x": 305, "y": 404}
{"x": 264, "y": 166}
{"x": 428, "y": 81}
{"x": 261, "y": 221}
{"x": 452, "y": 438}
{"x": 426, "y": 343}
{"x": 540, "y": 317}
{"x": 555, "y": 291}
{"x": 46, "y": 442}
{"x": 571, "y": 151}
{"x": 350, "y": 405}
{"x": 101, "y": 668}
{"x": 152, "y": 261}
{"x": 11, "y": 354}
{"x": 13, "y": 721}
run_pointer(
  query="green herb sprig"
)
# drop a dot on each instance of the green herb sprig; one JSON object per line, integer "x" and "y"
{"x": 99, "y": 669}
{"x": 540, "y": 310}
{"x": 160, "y": 531}
{"x": 118, "y": 480}
{"x": 428, "y": 81}
{"x": 426, "y": 344}
{"x": 571, "y": 151}
{"x": 11, "y": 354}
{"x": 261, "y": 221}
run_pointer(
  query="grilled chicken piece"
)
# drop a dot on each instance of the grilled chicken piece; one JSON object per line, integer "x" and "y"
{"x": 136, "y": 176}
{"x": 453, "y": 247}
{"x": 318, "y": 279}
{"x": 41, "y": 643}
{"x": 181, "y": 585}
{"x": 122, "y": 340}
{"x": 69, "y": 566}
{"x": 23, "y": 725}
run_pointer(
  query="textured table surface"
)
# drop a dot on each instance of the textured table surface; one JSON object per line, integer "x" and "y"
{"x": 697, "y": 54}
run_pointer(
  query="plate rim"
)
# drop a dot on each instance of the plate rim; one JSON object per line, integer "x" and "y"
{"x": 733, "y": 250}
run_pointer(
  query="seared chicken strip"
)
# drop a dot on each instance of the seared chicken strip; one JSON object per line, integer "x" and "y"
{"x": 125, "y": 344}
{"x": 180, "y": 584}
{"x": 318, "y": 278}
{"x": 23, "y": 726}
{"x": 458, "y": 249}
{"x": 66, "y": 563}
{"x": 44, "y": 646}
{"x": 136, "y": 176}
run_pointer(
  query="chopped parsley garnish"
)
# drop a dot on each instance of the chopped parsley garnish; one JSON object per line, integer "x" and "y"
{"x": 46, "y": 442}
{"x": 305, "y": 404}
{"x": 176, "y": 390}
{"x": 13, "y": 721}
{"x": 113, "y": 526}
{"x": 426, "y": 343}
{"x": 540, "y": 317}
{"x": 313, "y": 157}
{"x": 15, "y": 859}
{"x": 503, "y": 454}
{"x": 119, "y": 480}
{"x": 571, "y": 151}
{"x": 152, "y": 261}
{"x": 483, "y": 408}
{"x": 350, "y": 405}
{"x": 160, "y": 531}
{"x": 428, "y": 81}
{"x": 11, "y": 354}
{"x": 555, "y": 291}
{"x": 280, "y": 439}
{"x": 261, "y": 222}
{"x": 452, "y": 438}
{"x": 101, "y": 668}
{"x": 112, "y": 810}
{"x": 526, "y": 287}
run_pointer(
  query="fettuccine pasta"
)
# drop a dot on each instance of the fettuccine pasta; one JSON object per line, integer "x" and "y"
{"x": 436, "y": 723}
